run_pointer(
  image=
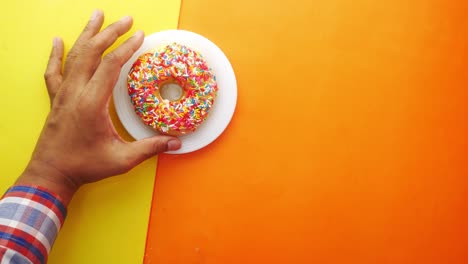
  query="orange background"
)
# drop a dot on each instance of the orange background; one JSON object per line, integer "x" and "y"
{"x": 349, "y": 142}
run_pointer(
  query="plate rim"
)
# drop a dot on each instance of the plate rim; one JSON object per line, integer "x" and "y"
{"x": 226, "y": 73}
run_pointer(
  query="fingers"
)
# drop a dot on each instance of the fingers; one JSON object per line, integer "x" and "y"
{"x": 91, "y": 29}
{"x": 53, "y": 73}
{"x": 108, "y": 71}
{"x": 90, "y": 53}
{"x": 141, "y": 150}
{"x": 110, "y": 34}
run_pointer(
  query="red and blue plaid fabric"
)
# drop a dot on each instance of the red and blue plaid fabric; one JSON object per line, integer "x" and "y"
{"x": 30, "y": 219}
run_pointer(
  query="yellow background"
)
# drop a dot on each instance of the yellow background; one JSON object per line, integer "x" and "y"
{"x": 107, "y": 221}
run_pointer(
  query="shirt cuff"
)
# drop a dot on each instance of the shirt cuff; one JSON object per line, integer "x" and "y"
{"x": 30, "y": 218}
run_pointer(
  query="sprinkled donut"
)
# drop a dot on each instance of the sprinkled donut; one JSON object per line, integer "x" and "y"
{"x": 166, "y": 67}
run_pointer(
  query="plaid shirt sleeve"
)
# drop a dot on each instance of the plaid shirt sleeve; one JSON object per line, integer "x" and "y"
{"x": 30, "y": 218}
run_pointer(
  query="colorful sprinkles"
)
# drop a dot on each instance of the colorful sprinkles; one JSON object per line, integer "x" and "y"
{"x": 173, "y": 63}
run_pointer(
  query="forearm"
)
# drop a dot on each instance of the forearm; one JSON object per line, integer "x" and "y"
{"x": 39, "y": 173}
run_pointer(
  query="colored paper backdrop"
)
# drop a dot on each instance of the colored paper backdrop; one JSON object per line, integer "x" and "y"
{"x": 108, "y": 220}
{"x": 349, "y": 143}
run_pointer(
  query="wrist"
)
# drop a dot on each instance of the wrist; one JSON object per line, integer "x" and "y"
{"x": 41, "y": 174}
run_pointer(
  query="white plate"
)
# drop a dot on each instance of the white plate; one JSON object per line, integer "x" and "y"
{"x": 223, "y": 107}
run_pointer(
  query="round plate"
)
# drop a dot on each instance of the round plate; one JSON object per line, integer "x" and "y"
{"x": 223, "y": 107}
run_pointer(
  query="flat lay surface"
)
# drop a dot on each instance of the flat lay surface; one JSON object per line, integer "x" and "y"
{"x": 348, "y": 142}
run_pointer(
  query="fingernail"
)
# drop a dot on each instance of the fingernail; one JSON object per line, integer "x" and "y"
{"x": 126, "y": 19}
{"x": 173, "y": 144}
{"x": 55, "y": 42}
{"x": 95, "y": 14}
{"x": 139, "y": 32}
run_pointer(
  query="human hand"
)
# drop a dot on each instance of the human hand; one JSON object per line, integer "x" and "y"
{"x": 79, "y": 143}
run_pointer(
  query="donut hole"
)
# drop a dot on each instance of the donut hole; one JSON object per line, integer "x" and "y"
{"x": 171, "y": 91}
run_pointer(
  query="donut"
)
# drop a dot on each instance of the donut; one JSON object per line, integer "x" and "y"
{"x": 172, "y": 89}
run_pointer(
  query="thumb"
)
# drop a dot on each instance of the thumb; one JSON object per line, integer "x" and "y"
{"x": 140, "y": 150}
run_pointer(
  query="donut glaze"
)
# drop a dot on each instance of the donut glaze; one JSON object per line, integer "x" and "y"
{"x": 170, "y": 65}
